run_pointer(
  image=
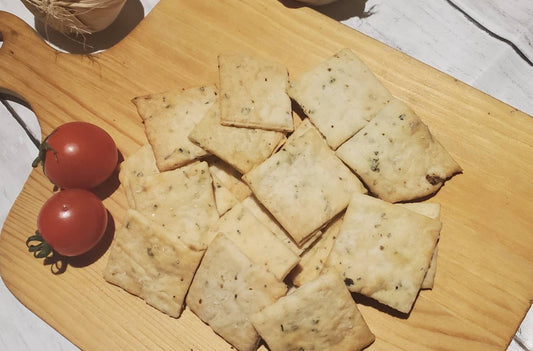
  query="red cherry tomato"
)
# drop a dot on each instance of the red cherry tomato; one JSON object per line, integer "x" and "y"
{"x": 78, "y": 155}
{"x": 72, "y": 221}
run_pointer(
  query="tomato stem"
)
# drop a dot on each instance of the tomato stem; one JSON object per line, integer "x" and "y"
{"x": 40, "y": 250}
{"x": 43, "y": 147}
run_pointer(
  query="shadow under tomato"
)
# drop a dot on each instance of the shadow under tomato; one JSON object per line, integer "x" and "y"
{"x": 111, "y": 184}
{"x": 58, "y": 263}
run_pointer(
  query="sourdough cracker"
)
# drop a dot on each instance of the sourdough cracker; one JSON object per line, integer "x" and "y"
{"x": 266, "y": 218}
{"x": 429, "y": 278}
{"x": 383, "y": 250}
{"x": 228, "y": 288}
{"x": 303, "y": 185}
{"x": 138, "y": 165}
{"x": 229, "y": 177}
{"x": 243, "y": 148}
{"x": 397, "y": 157}
{"x": 339, "y": 96}
{"x": 181, "y": 201}
{"x": 431, "y": 210}
{"x": 150, "y": 262}
{"x": 224, "y": 198}
{"x": 168, "y": 119}
{"x": 255, "y": 240}
{"x": 253, "y": 93}
{"x": 313, "y": 260}
{"x": 319, "y": 315}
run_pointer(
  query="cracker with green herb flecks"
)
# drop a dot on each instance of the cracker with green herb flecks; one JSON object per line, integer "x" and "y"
{"x": 168, "y": 119}
{"x": 431, "y": 210}
{"x": 229, "y": 177}
{"x": 138, "y": 165}
{"x": 152, "y": 263}
{"x": 313, "y": 260}
{"x": 224, "y": 198}
{"x": 384, "y": 250}
{"x": 266, "y": 218}
{"x": 397, "y": 157}
{"x": 319, "y": 315}
{"x": 181, "y": 201}
{"x": 253, "y": 93}
{"x": 255, "y": 240}
{"x": 340, "y": 96}
{"x": 227, "y": 288}
{"x": 303, "y": 185}
{"x": 242, "y": 148}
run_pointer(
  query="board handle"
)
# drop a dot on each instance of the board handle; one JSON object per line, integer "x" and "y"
{"x": 22, "y": 52}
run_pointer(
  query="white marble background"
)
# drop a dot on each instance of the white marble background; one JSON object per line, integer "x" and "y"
{"x": 486, "y": 44}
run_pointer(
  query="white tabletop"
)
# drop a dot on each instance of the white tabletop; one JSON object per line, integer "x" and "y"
{"x": 486, "y": 44}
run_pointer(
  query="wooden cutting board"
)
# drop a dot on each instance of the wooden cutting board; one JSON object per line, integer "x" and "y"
{"x": 484, "y": 279}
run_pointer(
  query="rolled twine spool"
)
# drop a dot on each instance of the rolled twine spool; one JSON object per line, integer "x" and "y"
{"x": 77, "y": 17}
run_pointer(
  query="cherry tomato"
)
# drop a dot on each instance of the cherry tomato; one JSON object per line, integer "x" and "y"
{"x": 72, "y": 221}
{"x": 78, "y": 155}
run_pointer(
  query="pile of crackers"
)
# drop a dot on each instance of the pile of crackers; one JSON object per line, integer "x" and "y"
{"x": 264, "y": 223}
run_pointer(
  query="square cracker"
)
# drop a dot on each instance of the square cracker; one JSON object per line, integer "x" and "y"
{"x": 253, "y": 93}
{"x": 168, "y": 119}
{"x": 397, "y": 157}
{"x": 255, "y": 240}
{"x": 266, "y": 218}
{"x": 229, "y": 177}
{"x": 150, "y": 262}
{"x": 431, "y": 210}
{"x": 303, "y": 185}
{"x": 243, "y": 148}
{"x": 181, "y": 200}
{"x": 313, "y": 260}
{"x": 383, "y": 250}
{"x": 319, "y": 315}
{"x": 224, "y": 198}
{"x": 228, "y": 288}
{"x": 340, "y": 96}
{"x": 137, "y": 166}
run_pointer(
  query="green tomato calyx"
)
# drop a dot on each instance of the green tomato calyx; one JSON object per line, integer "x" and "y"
{"x": 38, "y": 246}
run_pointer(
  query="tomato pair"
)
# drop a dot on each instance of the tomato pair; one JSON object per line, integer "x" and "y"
{"x": 77, "y": 156}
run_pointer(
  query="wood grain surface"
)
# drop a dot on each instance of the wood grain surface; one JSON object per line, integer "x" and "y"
{"x": 483, "y": 284}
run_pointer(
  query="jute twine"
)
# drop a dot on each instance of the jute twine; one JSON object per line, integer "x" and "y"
{"x": 77, "y": 17}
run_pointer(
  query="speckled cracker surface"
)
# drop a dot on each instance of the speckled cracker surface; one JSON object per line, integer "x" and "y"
{"x": 397, "y": 157}
{"x": 168, "y": 119}
{"x": 137, "y": 166}
{"x": 181, "y": 201}
{"x": 320, "y": 315}
{"x": 303, "y": 185}
{"x": 228, "y": 288}
{"x": 229, "y": 177}
{"x": 313, "y": 260}
{"x": 224, "y": 198}
{"x": 384, "y": 250}
{"x": 150, "y": 262}
{"x": 242, "y": 148}
{"x": 340, "y": 96}
{"x": 255, "y": 240}
{"x": 253, "y": 93}
{"x": 266, "y": 218}
{"x": 431, "y": 210}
